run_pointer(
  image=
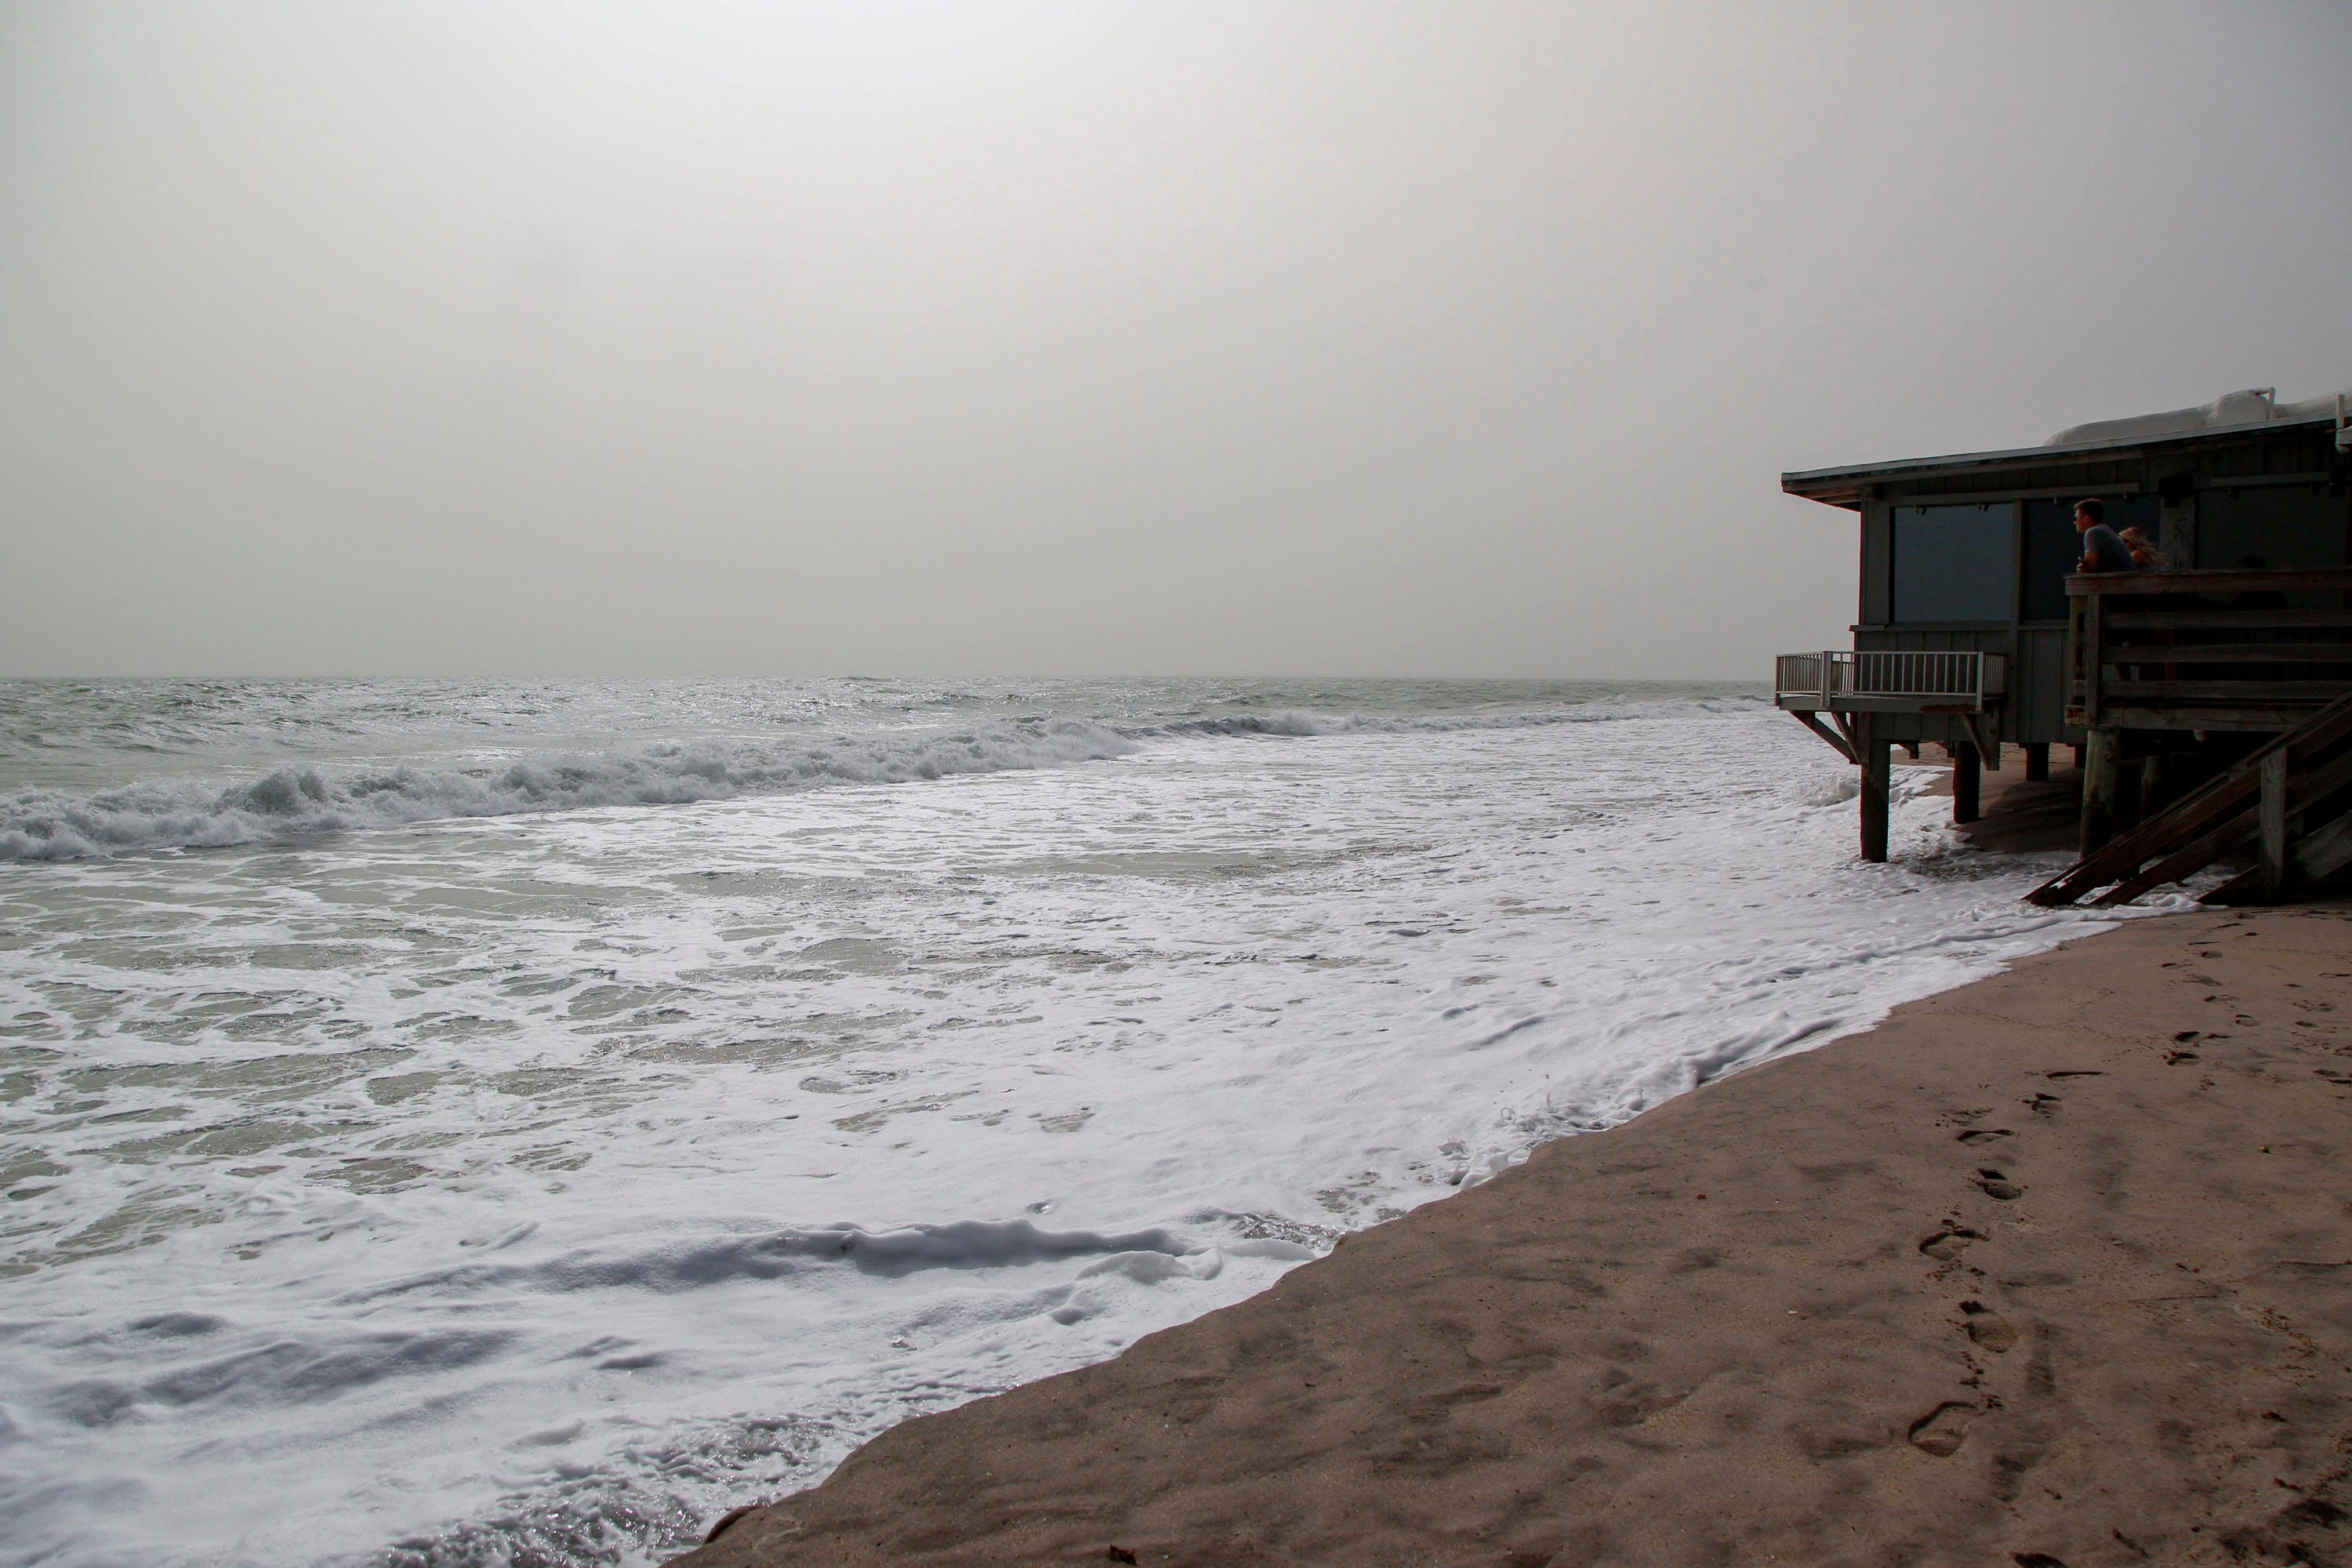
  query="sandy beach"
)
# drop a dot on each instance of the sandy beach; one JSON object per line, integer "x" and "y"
{"x": 2048, "y": 1270}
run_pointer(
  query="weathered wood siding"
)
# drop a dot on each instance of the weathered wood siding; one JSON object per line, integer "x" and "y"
{"x": 1877, "y": 565}
{"x": 2181, "y": 480}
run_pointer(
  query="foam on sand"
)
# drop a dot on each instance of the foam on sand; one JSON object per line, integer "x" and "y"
{"x": 2048, "y": 1270}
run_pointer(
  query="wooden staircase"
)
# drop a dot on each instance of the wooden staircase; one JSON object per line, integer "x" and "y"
{"x": 2290, "y": 801}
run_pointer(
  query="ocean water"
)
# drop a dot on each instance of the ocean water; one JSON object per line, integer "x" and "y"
{"x": 512, "y": 1123}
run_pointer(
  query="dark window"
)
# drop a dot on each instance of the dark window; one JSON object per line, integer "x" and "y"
{"x": 2052, "y": 547}
{"x": 1955, "y": 563}
{"x": 2282, "y": 526}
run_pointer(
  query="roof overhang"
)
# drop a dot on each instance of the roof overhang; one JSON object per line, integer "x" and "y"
{"x": 1844, "y": 486}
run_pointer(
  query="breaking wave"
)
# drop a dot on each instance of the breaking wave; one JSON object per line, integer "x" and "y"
{"x": 43, "y": 825}
{"x": 1301, "y": 724}
{"x": 297, "y": 800}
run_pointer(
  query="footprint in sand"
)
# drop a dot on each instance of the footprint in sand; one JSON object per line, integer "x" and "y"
{"x": 2045, "y": 1104}
{"x": 1942, "y": 1430}
{"x": 1984, "y": 1134}
{"x": 1997, "y": 1185}
{"x": 2041, "y": 1373}
{"x": 1946, "y": 1244}
{"x": 1988, "y": 1329}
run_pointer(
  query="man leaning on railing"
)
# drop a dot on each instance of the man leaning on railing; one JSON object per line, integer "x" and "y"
{"x": 2104, "y": 550}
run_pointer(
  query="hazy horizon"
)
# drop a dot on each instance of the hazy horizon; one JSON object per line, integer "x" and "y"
{"x": 1429, "y": 341}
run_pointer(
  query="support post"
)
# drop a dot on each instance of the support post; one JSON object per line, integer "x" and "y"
{"x": 2077, "y": 687}
{"x": 2037, "y": 761}
{"x": 1968, "y": 770}
{"x": 2130, "y": 810}
{"x": 1845, "y": 722}
{"x": 2101, "y": 781}
{"x": 1988, "y": 743}
{"x": 2094, "y": 657}
{"x": 2155, "y": 773}
{"x": 2079, "y": 760}
{"x": 1837, "y": 739}
{"x": 1876, "y": 798}
{"x": 2273, "y": 825}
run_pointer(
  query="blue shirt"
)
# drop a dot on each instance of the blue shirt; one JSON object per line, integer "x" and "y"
{"x": 2105, "y": 550}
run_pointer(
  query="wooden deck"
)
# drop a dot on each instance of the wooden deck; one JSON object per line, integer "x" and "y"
{"x": 2201, "y": 691}
{"x": 2249, "y": 651}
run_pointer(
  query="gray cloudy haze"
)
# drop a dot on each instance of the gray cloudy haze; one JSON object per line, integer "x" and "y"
{"x": 555, "y": 336}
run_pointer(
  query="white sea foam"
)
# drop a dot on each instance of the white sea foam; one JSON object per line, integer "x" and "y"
{"x": 303, "y": 799}
{"x": 535, "y": 1187}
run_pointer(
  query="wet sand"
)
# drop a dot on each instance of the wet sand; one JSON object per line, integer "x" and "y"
{"x": 2019, "y": 814}
{"x": 2049, "y": 1270}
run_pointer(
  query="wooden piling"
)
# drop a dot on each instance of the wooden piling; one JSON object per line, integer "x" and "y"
{"x": 2101, "y": 782}
{"x": 2270, "y": 831}
{"x": 1876, "y": 796}
{"x": 2129, "y": 806}
{"x": 1968, "y": 772}
{"x": 2037, "y": 761}
{"x": 2155, "y": 791}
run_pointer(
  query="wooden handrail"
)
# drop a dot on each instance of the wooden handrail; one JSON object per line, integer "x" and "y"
{"x": 2288, "y": 774}
{"x": 2235, "y": 580}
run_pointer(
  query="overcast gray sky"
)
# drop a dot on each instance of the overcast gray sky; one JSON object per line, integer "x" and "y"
{"x": 562, "y": 336}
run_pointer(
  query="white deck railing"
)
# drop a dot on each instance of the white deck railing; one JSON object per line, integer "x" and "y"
{"x": 1887, "y": 679}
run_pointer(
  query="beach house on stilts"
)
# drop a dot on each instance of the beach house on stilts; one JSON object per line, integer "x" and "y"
{"x": 2208, "y": 701}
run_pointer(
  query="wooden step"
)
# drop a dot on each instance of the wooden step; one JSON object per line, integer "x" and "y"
{"x": 2285, "y": 779}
